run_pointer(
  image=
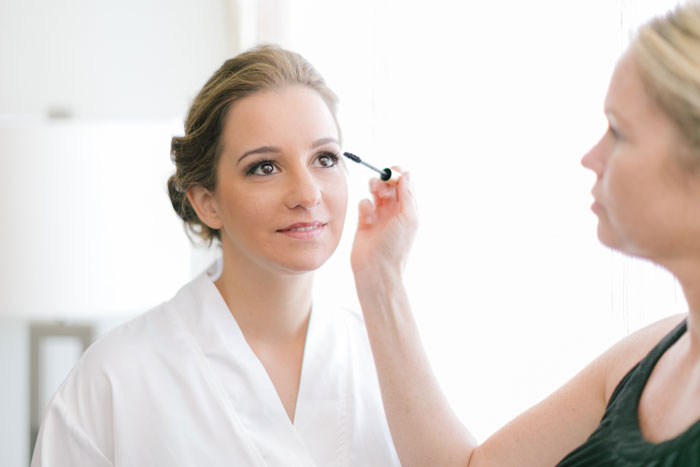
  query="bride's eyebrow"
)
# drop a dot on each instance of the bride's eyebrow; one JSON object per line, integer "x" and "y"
{"x": 260, "y": 150}
{"x": 277, "y": 150}
{"x": 322, "y": 141}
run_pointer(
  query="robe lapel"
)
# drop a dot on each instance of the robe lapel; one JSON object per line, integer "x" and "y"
{"x": 321, "y": 416}
{"x": 243, "y": 379}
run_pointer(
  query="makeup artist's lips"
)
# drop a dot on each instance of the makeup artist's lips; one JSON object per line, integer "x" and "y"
{"x": 303, "y": 230}
{"x": 596, "y": 207}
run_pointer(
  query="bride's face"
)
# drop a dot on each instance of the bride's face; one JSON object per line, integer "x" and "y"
{"x": 281, "y": 193}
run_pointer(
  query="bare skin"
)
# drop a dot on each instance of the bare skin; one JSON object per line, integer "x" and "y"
{"x": 643, "y": 210}
{"x": 274, "y": 318}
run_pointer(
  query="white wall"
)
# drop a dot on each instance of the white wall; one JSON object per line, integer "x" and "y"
{"x": 14, "y": 392}
{"x": 124, "y": 72}
{"x": 132, "y": 58}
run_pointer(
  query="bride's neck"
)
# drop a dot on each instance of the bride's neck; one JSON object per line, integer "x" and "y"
{"x": 267, "y": 304}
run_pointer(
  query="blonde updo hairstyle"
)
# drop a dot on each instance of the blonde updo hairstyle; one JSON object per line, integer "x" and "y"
{"x": 667, "y": 51}
{"x": 196, "y": 154}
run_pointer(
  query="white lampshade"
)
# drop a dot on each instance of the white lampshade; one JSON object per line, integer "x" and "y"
{"x": 87, "y": 226}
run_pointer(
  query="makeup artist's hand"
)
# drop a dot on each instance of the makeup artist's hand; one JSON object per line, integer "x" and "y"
{"x": 386, "y": 227}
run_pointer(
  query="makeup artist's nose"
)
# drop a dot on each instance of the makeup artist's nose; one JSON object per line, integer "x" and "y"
{"x": 594, "y": 159}
{"x": 303, "y": 190}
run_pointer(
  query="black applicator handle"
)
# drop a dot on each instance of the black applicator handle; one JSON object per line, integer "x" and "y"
{"x": 383, "y": 174}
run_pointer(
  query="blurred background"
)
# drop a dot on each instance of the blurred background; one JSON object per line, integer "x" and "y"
{"x": 490, "y": 105}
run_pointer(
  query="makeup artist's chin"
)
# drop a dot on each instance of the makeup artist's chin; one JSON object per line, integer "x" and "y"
{"x": 607, "y": 235}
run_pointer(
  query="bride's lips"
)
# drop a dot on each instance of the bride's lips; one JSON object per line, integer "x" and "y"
{"x": 303, "y": 230}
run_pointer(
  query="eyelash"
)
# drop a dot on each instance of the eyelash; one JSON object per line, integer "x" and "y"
{"x": 256, "y": 165}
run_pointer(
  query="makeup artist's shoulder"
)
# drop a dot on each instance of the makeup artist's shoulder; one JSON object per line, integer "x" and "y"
{"x": 628, "y": 351}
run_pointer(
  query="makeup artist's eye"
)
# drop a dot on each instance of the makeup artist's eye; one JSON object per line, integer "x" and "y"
{"x": 327, "y": 159}
{"x": 262, "y": 168}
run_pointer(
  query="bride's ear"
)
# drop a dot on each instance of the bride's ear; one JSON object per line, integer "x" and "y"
{"x": 204, "y": 204}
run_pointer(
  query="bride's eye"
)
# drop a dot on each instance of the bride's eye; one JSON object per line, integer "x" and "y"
{"x": 267, "y": 168}
{"x": 262, "y": 168}
{"x": 327, "y": 159}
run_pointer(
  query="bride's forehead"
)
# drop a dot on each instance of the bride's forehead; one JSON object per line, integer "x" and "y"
{"x": 295, "y": 96}
{"x": 274, "y": 118}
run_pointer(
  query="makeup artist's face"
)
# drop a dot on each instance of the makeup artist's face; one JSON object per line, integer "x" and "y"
{"x": 646, "y": 198}
{"x": 281, "y": 193}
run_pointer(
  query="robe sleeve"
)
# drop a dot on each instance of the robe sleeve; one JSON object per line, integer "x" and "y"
{"x": 63, "y": 443}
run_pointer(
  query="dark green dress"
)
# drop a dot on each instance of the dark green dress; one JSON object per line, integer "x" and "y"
{"x": 618, "y": 441}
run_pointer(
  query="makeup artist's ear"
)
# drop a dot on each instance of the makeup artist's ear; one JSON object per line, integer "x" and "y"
{"x": 204, "y": 204}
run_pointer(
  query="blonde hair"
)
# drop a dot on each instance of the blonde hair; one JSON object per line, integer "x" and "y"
{"x": 667, "y": 51}
{"x": 196, "y": 154}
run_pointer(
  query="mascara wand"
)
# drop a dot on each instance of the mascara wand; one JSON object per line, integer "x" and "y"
{"x": 383, "y": 174}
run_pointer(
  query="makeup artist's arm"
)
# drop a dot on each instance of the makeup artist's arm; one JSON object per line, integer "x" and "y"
{"x": 423, "y": 426}
{"x": 425, "y": 430}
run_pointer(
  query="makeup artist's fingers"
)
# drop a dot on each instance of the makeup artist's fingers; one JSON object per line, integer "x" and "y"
{"x": 405, "y": 195}
{"x": 396, "y": 172}
{"x": 365, "y": 216}
{"x": 387, "y": 227}
{"x": 386, "y": 193}
{"x": 382, "y": 191}
{"x": 394, "y": 202}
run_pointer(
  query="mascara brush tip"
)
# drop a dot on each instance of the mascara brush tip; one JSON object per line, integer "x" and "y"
{"x": 352, "y": 157}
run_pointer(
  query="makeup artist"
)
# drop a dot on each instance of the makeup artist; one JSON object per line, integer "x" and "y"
{"x": 639, "y": 402}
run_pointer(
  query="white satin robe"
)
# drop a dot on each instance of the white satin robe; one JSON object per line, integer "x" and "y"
{"x": 179, "y": 386}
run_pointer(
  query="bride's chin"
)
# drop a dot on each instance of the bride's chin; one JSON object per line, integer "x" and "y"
{"x": 302, "y": 266}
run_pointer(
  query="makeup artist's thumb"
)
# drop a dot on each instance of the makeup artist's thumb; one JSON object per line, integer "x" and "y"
{"x": 405, "y": 192}
{"x": 366, "y": 214}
